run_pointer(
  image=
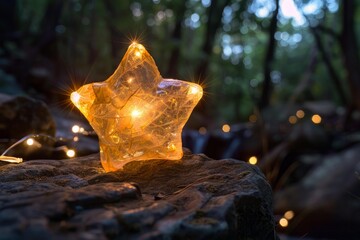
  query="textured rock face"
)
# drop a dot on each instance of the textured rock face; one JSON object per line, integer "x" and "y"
{"x": 326, "y": 201}
{"x": 21, "y": 116}
{"x": 195, "y": 198}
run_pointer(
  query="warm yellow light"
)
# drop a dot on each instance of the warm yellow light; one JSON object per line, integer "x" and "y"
{"x": 300, "y": 113}
{"x": 138, "y": 121}
{"x": 202, "y": 130}
{"x": 253, "y": 118}
{"x": 75, "y": 129}
{"x": 289, "y": 215}
{"x": 194, "y": 90}
{"x": 10, "y": 159}
{"x": 172, "y": 147}
{"x": 76, "y": 139}
{"x": 75, "y": 97}
{"x": 135, "y": 113}
{"x": 30, "y": 142}
{"x": 226, "y": 128}
{"x": 70, "y": 153}
{"x": 253, "y": 160}
{"x": 292, "y": 119}
{"x": 316, "y": 119}
{"x": 138, "y": 53}
{"x": 130, "y": 80}
{"x": 283, "y": 222}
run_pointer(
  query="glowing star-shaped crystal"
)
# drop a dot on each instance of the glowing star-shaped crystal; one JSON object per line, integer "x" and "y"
{"x": 136, "y": 113}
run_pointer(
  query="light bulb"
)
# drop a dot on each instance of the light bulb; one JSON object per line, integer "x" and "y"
{"x": 226, "y": 128}
{"x": 289, "y": 215}
{"x": 300, "y": 113}
{"x": 253, "y": 160}
{"x": 75, "y": 97}
{"x": 316, "y": 119}
{"x": 75, "y": 129}
{"x": 30, "y": 142}
{"x": 135, "y": 113}
{"x": 283, "y": 222}
{"x": 138, "y": 53}
{"x": 194, "y": 90}
{"x": 70, "y": 153}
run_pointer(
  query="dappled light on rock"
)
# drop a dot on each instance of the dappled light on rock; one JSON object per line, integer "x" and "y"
{"x": 136, "y": 113}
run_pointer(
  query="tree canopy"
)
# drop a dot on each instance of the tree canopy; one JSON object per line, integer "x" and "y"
{"x": 247, "y": 54}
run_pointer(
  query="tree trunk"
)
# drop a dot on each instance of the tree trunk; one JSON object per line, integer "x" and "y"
{"x": 214, "y": 14}
{"x": 350, "y": 52}
{"x": 116, "y": 36}
{"x": 332, "y": 71}
{"x": 269, "y": 59}
{"x": 307, "y": 78}
{"x": 172, "y": 70}
{"x": 47, "y": 41}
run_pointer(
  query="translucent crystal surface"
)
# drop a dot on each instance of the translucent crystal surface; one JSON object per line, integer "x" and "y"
{"x": 136, "y": 113}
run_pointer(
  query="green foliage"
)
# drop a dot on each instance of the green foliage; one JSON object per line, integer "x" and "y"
{"x": 91, "y": 37}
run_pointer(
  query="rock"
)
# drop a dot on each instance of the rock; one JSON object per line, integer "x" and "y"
{"x": 195, "y": 198}
{"x": 306, "y": 135}
{"x": 21, "y": 116}
{"x": 84, "y": 144}
{"x": 8, "y": 84}
{"x": 326, "y": 199}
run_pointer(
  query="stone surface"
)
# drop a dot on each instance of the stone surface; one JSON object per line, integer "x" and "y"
{"x": 326, "y": 202}
{"x": 195, "y": 198}
{"x": 21, "y": 116}
{"x": 137, "y": 114}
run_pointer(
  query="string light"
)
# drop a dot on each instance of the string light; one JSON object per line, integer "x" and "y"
{"x": 202, "y": 130}
{"x": 70, "y": 153}
{"x": 283, "y": 222}
{"x": 75, "y": 129}
{"x": 253, "y": 118}
{"x": 300, "y": 113}
{"x": 31, "y": 136}
{"x": 30, "y": 141}
{"x": 135, "y": 113}
{"x": 292, "y": 119}
{"x": 289, "y": 215}
{"x": 226, "y": 128}
{"x": 316, "y": 119}
{"x": 130, "y": 79}
{"x": 78, "y": 129}
{"x": 138, "y": 53}
{"x": 253, "y": 160}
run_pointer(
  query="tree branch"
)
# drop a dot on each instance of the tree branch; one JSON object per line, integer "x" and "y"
{"x": 269, "y": 58}
{"x": 328, "y": 31}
